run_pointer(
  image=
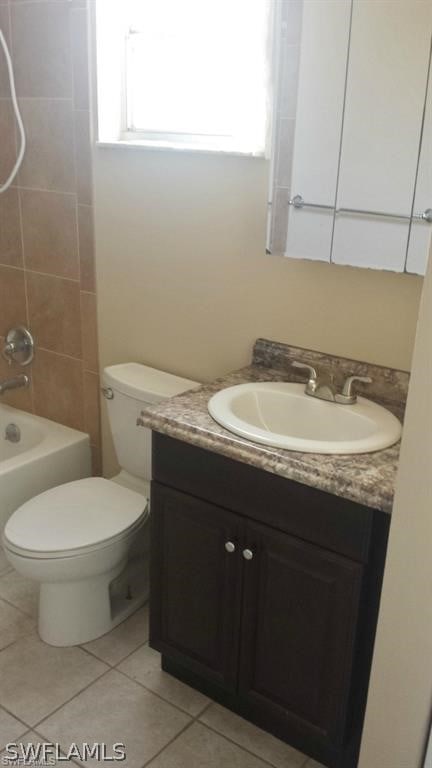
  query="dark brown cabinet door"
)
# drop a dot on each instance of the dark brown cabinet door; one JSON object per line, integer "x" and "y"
{"x": 300, "y": 607}
{"x": 195, "y": 585}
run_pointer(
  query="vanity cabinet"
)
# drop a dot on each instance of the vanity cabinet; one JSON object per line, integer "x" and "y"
{"x": 264, "y": 595}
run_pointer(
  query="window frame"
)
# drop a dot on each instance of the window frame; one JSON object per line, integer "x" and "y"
{"x": 126, "y": 137}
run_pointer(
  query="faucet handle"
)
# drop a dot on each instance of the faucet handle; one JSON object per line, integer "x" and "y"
{"x": 347, "y": 397}
{"x": 312, "y": 383}
{"x": 313, "y": 376}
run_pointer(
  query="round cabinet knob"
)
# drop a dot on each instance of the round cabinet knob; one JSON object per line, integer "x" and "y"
{"x": 230, "y": 547}
{"x": 247, "y": 554}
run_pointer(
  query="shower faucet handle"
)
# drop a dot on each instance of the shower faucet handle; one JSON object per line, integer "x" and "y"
{"x": 19, "y": 347}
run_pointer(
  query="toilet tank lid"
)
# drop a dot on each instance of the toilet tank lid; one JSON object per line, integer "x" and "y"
{"x": 140, "y": 381}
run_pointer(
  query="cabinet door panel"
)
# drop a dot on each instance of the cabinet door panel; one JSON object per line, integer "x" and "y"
{"x": 299, "y": 618}
{"x": 195, "y": 596}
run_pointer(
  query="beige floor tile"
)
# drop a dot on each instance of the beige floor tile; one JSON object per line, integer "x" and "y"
{"x": 21, "y": 592}
{"x": 145, "y": 666}
{"x": 257, "y": 741}
{"x": 13, "y": 626}
{"x": 198, "y": 747}
{"x": 5, "y": 567}
{"x": 313, "y": 764}
{"x": 37, "y": 678}
{"x": 31, "y": 738}
{"x": 10, "y": 728}
{"x": 121, "y": 641}
{"x": 115, "y": 709}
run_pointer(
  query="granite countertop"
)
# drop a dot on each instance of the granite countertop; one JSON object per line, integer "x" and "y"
{"x": 368, "y": 478}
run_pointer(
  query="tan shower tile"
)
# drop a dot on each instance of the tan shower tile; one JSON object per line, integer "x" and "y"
{"x": 78, "y": 20}
{"x": 83, "y": 157}
{"x": 12, "y": 299}
{"x": 91, "y": 406}
{"x": 50, "y": 233}
{"x": 89, "y": 331}
{"x": 10, "y": 229}
{"x": 96, "y": 459}
{"x": 58, "y": 388}
{"x": 86, "y": 248}
{"x": 54, "y": 313}
{"x": 7, "y": 143}
{"x": 4, "y": 26}
{"x": 41, "y": 45}
{"x": 48, "y": 161}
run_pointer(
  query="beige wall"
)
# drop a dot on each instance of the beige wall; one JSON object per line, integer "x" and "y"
{"x": 400, "y": 696}
{"x": 184, "y": 283}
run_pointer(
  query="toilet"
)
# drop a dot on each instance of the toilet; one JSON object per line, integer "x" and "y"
{"x": 86, "y": 542}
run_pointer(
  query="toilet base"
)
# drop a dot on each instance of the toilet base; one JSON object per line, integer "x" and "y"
{"x": 74, "y": 613}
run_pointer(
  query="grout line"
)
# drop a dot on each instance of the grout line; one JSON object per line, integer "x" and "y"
{"x": 50, "y": 274}
{"x": 68, "y": 701}
{"x": 17, "y": 608}
{"x": 158, "y": 695}
{"x": 20, "y": 720}
{"x": 26, "y": 188}
{"x": 168, "y": 744}
{"x": 23, "y": 188}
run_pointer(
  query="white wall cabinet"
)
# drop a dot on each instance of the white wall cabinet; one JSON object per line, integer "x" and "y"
{"x": 362, "y": 152}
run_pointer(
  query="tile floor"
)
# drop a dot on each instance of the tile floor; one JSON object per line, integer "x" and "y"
{"x": 112, "y": 690}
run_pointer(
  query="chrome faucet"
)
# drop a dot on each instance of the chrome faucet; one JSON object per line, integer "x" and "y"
{"x": 324, "y": 389}
{"x": 16, "y": 383}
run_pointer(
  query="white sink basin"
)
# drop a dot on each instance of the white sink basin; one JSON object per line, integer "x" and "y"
{"x": 282, "y": 415}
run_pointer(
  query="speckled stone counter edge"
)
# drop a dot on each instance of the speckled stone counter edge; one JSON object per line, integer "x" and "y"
{"x": 364, "y": 478}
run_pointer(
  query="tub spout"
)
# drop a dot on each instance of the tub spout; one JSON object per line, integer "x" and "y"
{"x": 16, "y": 383}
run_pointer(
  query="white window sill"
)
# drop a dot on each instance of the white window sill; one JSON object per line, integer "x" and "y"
{"x": 179, "y": 147}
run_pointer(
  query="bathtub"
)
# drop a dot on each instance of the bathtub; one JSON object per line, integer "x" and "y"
{"x": 46, "y": 454}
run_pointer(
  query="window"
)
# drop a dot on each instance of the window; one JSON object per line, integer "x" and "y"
{"x": 183, "y": 73}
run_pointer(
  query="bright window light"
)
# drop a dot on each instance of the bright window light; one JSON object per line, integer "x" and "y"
{"x": 189, "y": 73}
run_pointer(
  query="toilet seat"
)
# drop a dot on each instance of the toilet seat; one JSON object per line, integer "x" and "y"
{"x": 75, "y": 518}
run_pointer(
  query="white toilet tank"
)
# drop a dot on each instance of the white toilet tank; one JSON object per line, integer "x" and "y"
{"x": 128, "y": 388}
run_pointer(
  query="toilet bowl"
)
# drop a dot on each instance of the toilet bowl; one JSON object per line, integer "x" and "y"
{"x": 75, "y": 540}
{"x": 86, "y": 542}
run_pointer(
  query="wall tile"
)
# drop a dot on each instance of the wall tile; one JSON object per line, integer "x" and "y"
{"x": 89, "y": 331}
{"x": 17, "y": 398}
{"x": 7, "y": 134}
{"x": 79, "y": 44}
{"x": 96, "y": 457}
{"x": 4, "y": 26}
{"x": 12, "y": 299}
{"x": 51, "y": 64}
{"x": 91, "y": 406}
{"x": 49, "y": 159}
{"x": 50, "y": 233}
{"x": 83, "y": 157}
{"x": 58, "y": 388}
{"x": 86, "y": 248}
{"x": 54, "y": 313}
{"x": 10, "y": 229}
{"x": 41, "y": 46}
